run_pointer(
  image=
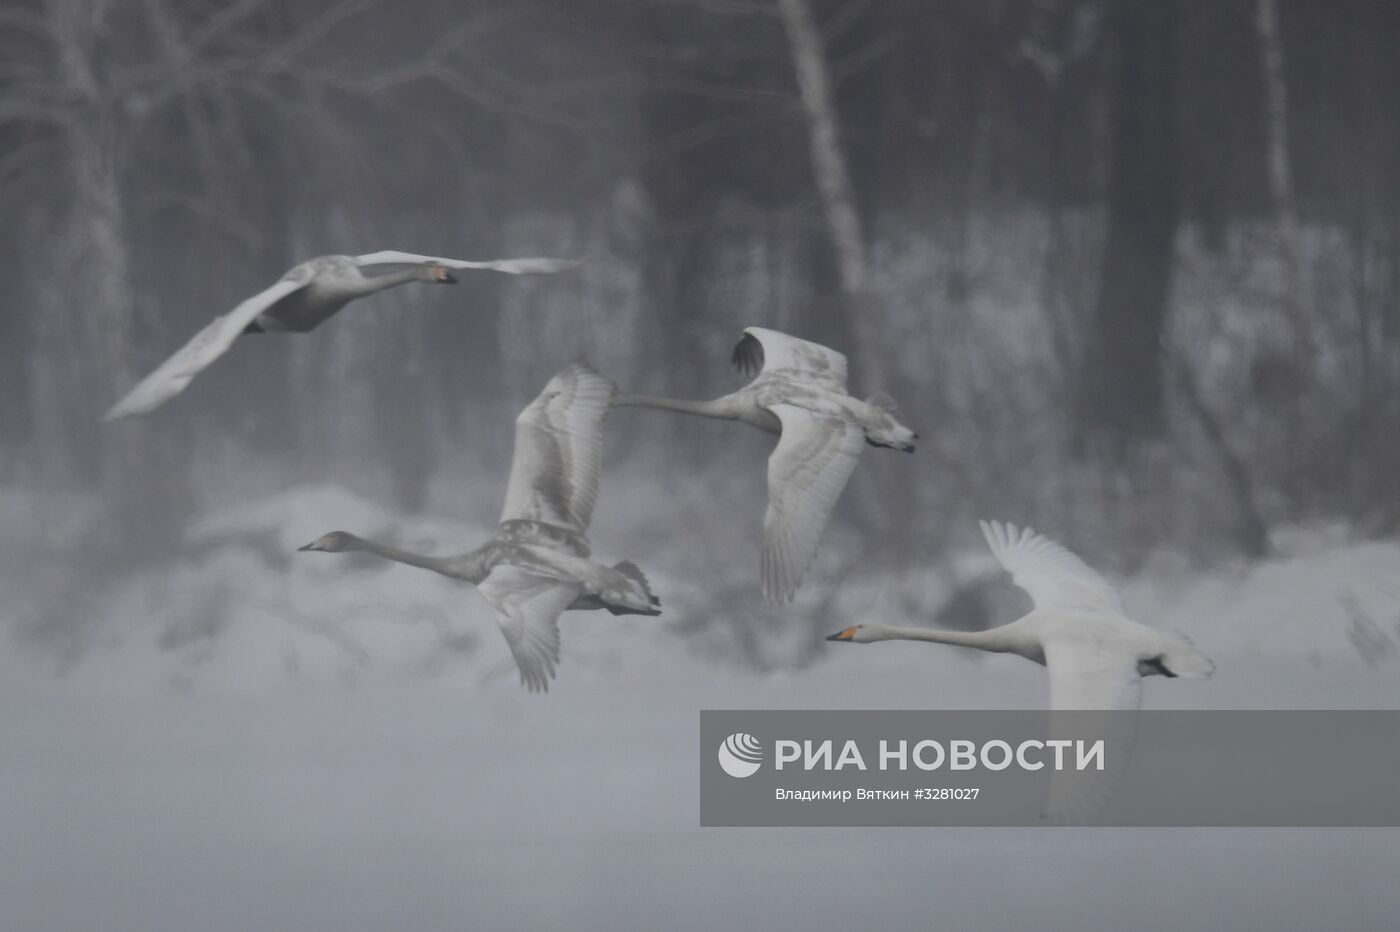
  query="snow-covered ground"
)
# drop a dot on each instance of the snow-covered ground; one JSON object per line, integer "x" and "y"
{"x": 256, "y": 738}
{"x": 242, "y": 611}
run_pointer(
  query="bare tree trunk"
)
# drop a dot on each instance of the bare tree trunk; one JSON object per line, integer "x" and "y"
{"x": 90, "y": 311}
{"x": 1280, "y": 168}
{"x": 834, "y": 185}
{"x": 858, "y": 305}
{"x": 1121, "y": 386}
{"x": 87, "y": 297}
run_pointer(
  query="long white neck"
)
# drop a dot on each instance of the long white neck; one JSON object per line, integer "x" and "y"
{"x": 993, "y": 640}
{"x": 447, "y": 566}
{"x": 718, "y": 408}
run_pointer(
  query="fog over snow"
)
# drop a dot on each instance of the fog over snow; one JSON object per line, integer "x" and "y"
{"x": 255, "y": 738}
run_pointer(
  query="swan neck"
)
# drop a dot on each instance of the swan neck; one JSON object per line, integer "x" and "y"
{"x": 421, "y": 560}
{"x": 716, "y": 408}
{"x": 982, "y": 640}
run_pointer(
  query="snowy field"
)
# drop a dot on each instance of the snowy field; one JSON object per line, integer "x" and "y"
{"x": 322, "y": 744}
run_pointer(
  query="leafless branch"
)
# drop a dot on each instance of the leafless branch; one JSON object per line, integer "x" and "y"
{"x": 862, "y": 58}
{"x": 226, "y": 19}
{"x": 843, "y": 19}
{"x": 282, "y": 55}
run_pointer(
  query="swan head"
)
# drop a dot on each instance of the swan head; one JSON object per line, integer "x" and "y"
{"x": 440, "y": 275}
{"x": 856, "y": 634}
{"x": 892, "y": 435}
{"x": 334, "y": 542}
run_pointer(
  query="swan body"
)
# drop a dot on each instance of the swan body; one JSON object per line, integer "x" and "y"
{"x": 799, "y": 393}
{"x": 1096, "y": 658}
{"x": 537, "y": 565}
{"x": 301, "y": 300}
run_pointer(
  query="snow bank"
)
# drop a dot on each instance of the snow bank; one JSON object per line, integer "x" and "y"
{"x": 241, "y": 610}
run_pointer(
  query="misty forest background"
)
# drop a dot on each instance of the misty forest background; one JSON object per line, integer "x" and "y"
{"x": 1131, "y": 267}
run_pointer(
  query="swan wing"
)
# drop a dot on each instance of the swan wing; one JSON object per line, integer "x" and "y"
{"x": 525, "y": 266}
{"x": 1094, "y": 695}
{"x": 171, "y": 376}
{"x": 1084, "y": 676}
{"x": 806, "y": 473}
{"x": 762, "y": 350}
{"x": 559, "y": 451}
{"x": 1054, "y": 577}
{"x": 528, "y": 607}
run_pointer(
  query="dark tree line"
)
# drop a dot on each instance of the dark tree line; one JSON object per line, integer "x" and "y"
{"x": 719, "y": 162}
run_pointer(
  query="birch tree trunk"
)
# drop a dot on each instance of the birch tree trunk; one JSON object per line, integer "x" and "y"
{"x": 834, "y": 185}
{"x": 858, "y": 306}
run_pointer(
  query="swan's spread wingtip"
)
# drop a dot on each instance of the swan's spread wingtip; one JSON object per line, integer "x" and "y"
{"x": 989, "y": 533}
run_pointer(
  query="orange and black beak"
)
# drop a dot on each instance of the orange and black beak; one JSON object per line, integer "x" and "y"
{"x": 846, "y": 635}
{"x": 442, "y": 276}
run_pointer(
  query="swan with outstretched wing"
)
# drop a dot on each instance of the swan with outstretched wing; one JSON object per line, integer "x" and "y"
{"x": 298, "y": 302}
{"x": 537, "y": 566}
{"x": 1096, "y": 657}
{"x": 799, "y": 393}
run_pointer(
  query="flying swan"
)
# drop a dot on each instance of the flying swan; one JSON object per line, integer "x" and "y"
{"x": 300, "y": 301}
{"x": 1078, "y": 630}
{"x": 799, "y": 393}
{"x": 537, "y": 565}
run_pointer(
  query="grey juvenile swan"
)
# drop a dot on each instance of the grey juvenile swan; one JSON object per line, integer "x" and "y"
{"x": 300, "y": 301}
{"x": 537, "y": 566}
{"x": 800, "y": 394}
{"x": 1079, "y": 631}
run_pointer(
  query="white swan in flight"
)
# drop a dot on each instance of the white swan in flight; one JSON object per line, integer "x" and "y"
{"x": 1078, "y": 630}
{"x": 300, "y": 301}
{"x": 799, "y": 393}
{"x": 1095, "y": 656}
{"x": 537, "y": 564}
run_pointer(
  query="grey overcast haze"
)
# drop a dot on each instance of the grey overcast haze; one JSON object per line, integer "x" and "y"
{"x": 1130, "y": 268}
